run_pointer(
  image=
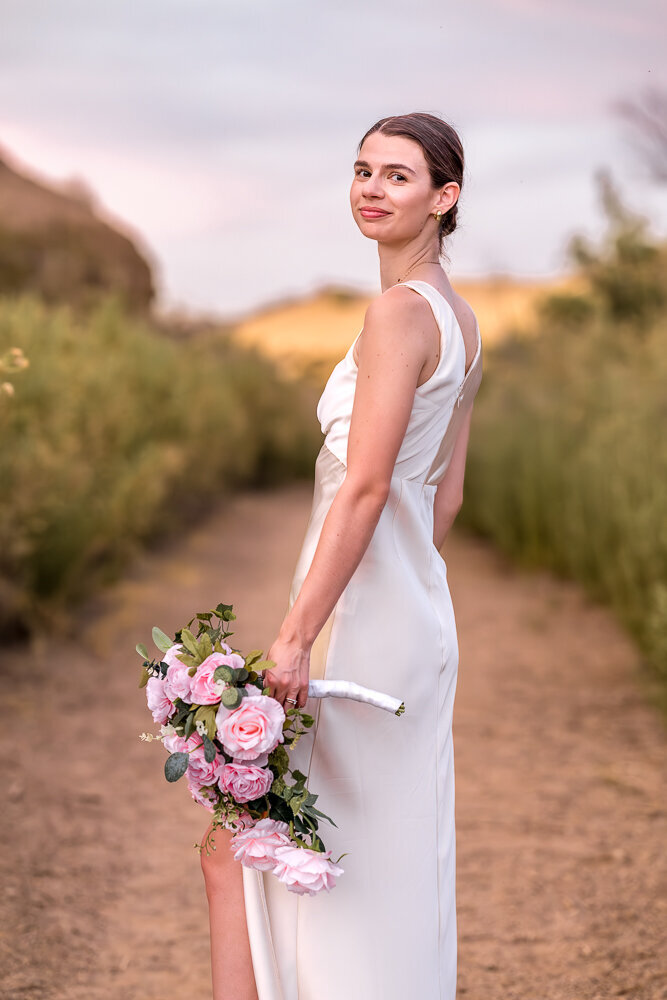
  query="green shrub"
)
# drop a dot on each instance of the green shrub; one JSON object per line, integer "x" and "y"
{"x": 117, "y": 434}
{"x": 567, "y": 462}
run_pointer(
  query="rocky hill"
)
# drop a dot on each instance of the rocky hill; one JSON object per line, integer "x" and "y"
{"x": 53, "y": 242}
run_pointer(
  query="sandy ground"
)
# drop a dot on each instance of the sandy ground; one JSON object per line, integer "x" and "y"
{"x": 560, "y": 764}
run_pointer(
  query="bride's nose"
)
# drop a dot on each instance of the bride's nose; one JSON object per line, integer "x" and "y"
{"x": 373, "y": 187}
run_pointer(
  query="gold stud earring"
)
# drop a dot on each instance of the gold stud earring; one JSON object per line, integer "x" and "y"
{"x": 438, "y": 215}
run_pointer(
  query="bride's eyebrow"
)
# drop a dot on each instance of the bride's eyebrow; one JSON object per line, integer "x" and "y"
{"x": 387, "y": 166}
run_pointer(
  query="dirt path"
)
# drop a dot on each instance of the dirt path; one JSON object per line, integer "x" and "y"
{"x": 561, "y": 784}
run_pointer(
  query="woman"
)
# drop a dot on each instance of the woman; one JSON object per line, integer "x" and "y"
{"x": 370, "y": 602}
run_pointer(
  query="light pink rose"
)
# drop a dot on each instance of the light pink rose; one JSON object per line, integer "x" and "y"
{"x": 177, "y": 682}
{"x": 203, "y": 772}
{"x": 158, "y": 702}
{"x": 255, "y": 727}
{"x": 204, "y": 689}
{"x": 305, "y": 871}
{"x": 223, "y": 711}
{"x": 206, "y": 796}
{"x": 176, "y": 744}
{"x": 256, "y": 846}
{"x": 245, "y": 782}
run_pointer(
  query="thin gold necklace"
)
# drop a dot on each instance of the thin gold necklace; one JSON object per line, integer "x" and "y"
{"x": 416, "y": 265}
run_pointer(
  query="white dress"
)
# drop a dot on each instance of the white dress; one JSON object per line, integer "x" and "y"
{"x": 387, "y": 930}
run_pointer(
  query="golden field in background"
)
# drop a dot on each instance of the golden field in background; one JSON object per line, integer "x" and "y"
{"x": 308, "y": 334}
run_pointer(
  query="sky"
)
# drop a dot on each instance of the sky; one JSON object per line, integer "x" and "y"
{"x": 222, "y": 133}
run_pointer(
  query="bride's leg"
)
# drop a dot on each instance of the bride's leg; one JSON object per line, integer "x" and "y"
{"x": 231, "y": 961}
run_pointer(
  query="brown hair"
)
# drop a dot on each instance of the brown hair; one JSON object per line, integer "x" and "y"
{"x": 443, "y": 153}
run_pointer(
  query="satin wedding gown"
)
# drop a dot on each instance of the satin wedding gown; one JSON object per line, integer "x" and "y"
{"x": 387, "y": 930}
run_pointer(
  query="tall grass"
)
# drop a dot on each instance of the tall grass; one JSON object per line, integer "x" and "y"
{"x": 117, "y": 434}
{"x": 567, "y": 463}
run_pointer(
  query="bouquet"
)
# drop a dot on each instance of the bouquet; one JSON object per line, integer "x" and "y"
{"x": 231, "y": 740}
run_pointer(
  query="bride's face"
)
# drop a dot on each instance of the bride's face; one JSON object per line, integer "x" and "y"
{"x": 391, "y": 176}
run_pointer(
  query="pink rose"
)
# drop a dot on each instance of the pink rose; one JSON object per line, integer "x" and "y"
{"x": 203, "y": 772}
{"x": 245, "y": 782}
{"x": 206, "y": 796}
{"x": 256, "y": 846}
{"x": 177, "y": 682}
{"x": 255, "y": 727}
{"x": 158, "y": 702}
{"x": 176, "y": 744}
{"x": 305, "y": 871}
{"x": 204, "y": 689}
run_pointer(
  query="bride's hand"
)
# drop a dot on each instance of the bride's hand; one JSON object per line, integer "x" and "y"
{"x": 289, "y": 678}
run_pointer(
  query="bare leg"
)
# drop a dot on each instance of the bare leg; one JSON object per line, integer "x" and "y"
{"x": 231, "y": 961}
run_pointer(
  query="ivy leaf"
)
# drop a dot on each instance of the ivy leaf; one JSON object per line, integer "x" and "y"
{"x": 162, "y": 641}
{"x": 175, "y": 766}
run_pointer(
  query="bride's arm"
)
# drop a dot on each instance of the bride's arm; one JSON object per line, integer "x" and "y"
{"x": 397, "y": 336}
{"x": 449, "y": 494}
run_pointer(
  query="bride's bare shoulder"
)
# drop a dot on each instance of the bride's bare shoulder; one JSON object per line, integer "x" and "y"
{"x": 394, "y": 309}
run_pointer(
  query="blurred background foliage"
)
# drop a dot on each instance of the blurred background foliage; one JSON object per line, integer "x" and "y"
{"x": 118, "y": 433}
{"x": 567, "y": 465}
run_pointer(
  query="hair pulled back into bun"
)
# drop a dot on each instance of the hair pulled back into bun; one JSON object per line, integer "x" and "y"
{"x": 443, "y": 153}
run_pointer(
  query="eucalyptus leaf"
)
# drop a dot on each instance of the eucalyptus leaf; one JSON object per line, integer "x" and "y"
{"x": 231, "y": 697}
{"x": 210, "y": 753}
{"x": 253, "y": 655}
{"x": 162, "y": 641}
{"x": 145, "y": 676}
{"x": 224, "y": 673}
{"x": 175, "y": 766}
{"x": 189, "y": 726}
{"x": 141, "y": 650}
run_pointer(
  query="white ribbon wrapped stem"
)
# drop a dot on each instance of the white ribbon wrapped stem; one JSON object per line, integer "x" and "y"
{"x": 348, "y": 689}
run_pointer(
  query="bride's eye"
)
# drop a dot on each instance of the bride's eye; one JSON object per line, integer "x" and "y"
{"x": 395, "y": 174}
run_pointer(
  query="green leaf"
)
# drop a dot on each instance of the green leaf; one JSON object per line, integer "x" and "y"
{"x": 253, "y": 655}
{"x": 204, "y": 616}
{"x": 231, "y": 697}
{"x": 141, "y": 650}
{"x": 175, "y": 766}
{"x": 162, "y": 641}
{"x": 210, "y": 752}
{"x": 263, "y": 665}
{"x": 190, "y": 643}
{"x": 206, "y": 714}
{"x": 224, "y": 673}
{"x": 205, "y": 646}
{"x": 145, "y": 676}
{"x": 279, "y": 758}
{"x": 189, "y": 725}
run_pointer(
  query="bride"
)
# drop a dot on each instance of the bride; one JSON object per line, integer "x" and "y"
{"x": 370, "y": 602}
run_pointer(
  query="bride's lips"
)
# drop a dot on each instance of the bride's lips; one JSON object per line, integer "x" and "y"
{"x": 373, "y": 213}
